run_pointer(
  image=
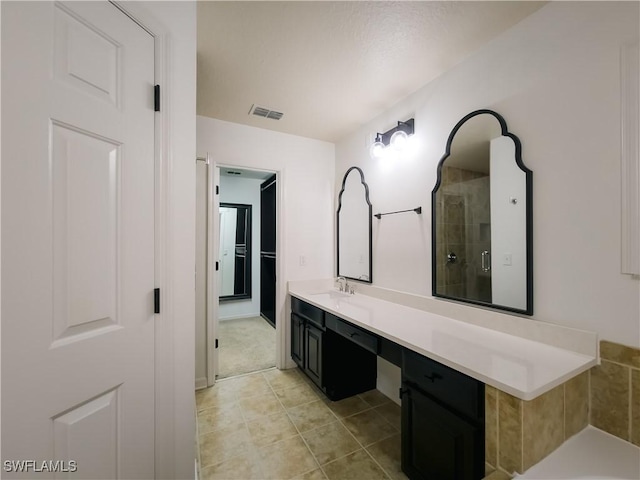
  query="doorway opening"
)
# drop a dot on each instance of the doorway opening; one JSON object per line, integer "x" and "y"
{"x": 239, "y": 306}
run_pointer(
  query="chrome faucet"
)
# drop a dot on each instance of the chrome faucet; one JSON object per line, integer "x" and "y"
{"x": 346, "y": 288}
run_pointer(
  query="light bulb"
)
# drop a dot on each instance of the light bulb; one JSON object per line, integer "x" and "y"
{"x": 398, "y": 140}
{"x": 377, "y": 150}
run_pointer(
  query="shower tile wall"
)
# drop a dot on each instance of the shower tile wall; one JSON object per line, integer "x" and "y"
{"x": 615, "y": 391}
{"x": 520, "y": 433}
{"x": 464, "y": 203}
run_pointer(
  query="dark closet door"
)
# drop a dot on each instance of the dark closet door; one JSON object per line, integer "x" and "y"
{"x": 268, "y": 250}
{"x": 268, "y": 288}
{"x": 268, "y": 216}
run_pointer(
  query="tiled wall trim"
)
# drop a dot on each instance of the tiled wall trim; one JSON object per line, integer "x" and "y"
{"x": 521, "y": 433}
{"x": 615, "y": 391}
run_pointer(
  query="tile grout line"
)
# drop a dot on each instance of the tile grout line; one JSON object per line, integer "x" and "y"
{"x": 630, "y": 408}
{"x": 340, "y": 421}
{"x": 298, "y": 430}
{"x": 254, "y": 450}
{"x": 244, "y": 421}
{"x": 358, "y": 441}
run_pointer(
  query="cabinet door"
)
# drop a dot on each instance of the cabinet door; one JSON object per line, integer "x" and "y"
{"x": 437, "y": 444}
{"x": 313, "y": 354}
{"x": 297, "y": 339}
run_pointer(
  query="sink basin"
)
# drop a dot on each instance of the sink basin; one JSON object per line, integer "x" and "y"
{"x": 331, "y": 295}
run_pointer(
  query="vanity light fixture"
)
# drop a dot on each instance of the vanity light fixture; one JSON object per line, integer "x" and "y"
{"x": 396, "y": 137}
{"x": 377, "y": 148}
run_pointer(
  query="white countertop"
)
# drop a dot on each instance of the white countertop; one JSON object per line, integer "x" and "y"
{"x": 521, "y": 367}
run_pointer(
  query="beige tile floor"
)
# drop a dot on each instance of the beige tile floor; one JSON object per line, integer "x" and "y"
{"x": 276, "y": 424}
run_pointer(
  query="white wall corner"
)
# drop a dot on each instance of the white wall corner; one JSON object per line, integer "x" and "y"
{"x": 630, "y": 162}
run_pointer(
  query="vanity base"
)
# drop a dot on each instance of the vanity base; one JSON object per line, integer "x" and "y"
{"x": 349, "y": 369}
{"x": 338, "y": 357}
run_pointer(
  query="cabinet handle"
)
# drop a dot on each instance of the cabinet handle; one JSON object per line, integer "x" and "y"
{"x": 351, "y": 335}
{"x": 433, "y": 377}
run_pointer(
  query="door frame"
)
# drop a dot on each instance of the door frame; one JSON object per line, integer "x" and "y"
{"x": 212, "y": 255}
{"x": 165, "y": 448}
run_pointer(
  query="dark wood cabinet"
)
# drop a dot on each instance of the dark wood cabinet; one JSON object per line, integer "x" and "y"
{"x": 313, "y": 354}
{"x": 436, "y": 443}
{"x": 297, "y": 339}
{"x": 442, "y": 421}
{"x": 442, "y": 409}
{"x": 323, "y": 346}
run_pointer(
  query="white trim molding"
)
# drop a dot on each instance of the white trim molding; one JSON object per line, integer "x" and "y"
{"x": 630, "y": 163}
{"x": 174, "y": 406}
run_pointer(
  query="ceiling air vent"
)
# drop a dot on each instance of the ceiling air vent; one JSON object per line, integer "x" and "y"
{"x": 265, "y": 112}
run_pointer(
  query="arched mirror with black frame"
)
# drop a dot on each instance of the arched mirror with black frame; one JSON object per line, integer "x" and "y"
{"x": 235, "y": 251}
{"x": 354, "y": 228}
{"x": 482, "y": 217}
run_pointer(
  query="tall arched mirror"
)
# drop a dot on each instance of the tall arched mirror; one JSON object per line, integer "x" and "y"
{"x": 354, "y": 218}
{"x": 482, "y": 217}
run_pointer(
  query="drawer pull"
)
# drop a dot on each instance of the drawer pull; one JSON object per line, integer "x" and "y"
{"x": 353, "y": 334}
{"x": 433, "y": 377}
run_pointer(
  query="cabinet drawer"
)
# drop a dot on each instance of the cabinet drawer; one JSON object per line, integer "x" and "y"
{"x": 454, "y": 389}
{"x": 358, "y": 335}
{"x": 330, "y": 321}
{"x": 391, "y": 352}
{"x": 311, "y": 313}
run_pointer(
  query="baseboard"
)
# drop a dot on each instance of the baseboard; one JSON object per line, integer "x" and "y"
{"x": 237, "y": 317}
{"x": 201, "y": 383}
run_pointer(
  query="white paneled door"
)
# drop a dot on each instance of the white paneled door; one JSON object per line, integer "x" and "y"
{"x": 77, "y": 242}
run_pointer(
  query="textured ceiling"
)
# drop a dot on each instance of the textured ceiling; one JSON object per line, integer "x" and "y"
{"x": 331, "y": 67}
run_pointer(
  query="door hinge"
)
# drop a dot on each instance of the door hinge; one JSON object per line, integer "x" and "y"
{"x": 217, "y": 266}
{"x": 156, "y": 300}
{"x": 216, "y": 343}
{"x": 156, "y": 98}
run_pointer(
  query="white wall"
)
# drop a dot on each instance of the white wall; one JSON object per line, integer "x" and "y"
{"x": 306, "y": 175}
{"x": 247, "y": 191}
{"x": 555, "y": 77}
